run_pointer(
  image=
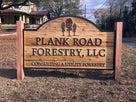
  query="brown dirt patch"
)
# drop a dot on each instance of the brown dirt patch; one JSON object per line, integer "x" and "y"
{"x": 51, "y": 85}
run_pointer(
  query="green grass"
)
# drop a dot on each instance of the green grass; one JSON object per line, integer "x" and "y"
{"x": 125, "y": 58}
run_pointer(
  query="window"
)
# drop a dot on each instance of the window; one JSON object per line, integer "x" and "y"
{"x": 2, "y": 19}
{"x": 16, "y": 7}
{"x": 16, "y": 18}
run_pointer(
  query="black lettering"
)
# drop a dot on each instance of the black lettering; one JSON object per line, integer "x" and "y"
{"x": 58, "y": 41}
{"x": 98, "y": 41}
{"x": 66, "y": 52}
{"x": 94, "y": 52}
{"x": 72, "y": 52}
{"x": 33, "y": 64}
{"x": 65, "y": 41}
{"x": 50, "y": 42}
{"x": 75, "y": 41}
{"x": 60, "y": 53}
{"x": 40, "y": 51}
{"x": 88, "y": 52}
{"x": 54, "y": 52}
{"x": 38, "y": 40}
{"x": 79, "y": 51}
{"x": 48, "y": 52}
{"x": 34, "y": 51}
{"x": 100, "y": 52}
{"x": 90, "y": 43}
{"x": 82, "y": 41}
{"x": 43, "y": 42}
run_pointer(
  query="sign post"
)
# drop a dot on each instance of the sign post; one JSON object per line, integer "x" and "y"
{"x": 68, "y": 42}
{"x": 20, "y": 71}
{"x": 118, "y": 29}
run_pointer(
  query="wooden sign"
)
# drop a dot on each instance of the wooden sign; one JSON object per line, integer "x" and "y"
{"x": 68, "y": 42}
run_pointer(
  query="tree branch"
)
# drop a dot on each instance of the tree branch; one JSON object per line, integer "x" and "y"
{"x": 1, "y": 1}
{"x": 13, "y": 4}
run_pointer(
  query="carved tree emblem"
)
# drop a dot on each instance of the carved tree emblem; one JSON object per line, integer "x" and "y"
{"x": 63, "y": 27}
{"x": 74, "y": 28}
{"x": 69, "y": 25}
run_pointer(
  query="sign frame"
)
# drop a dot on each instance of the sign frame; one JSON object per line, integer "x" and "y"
{"x": 116, "y": 56}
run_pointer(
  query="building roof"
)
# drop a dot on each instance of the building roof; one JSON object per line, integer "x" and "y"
{"x": 33, "y": 13}
{"x": 40, "y": 13}
{"x": 11, "y": 11}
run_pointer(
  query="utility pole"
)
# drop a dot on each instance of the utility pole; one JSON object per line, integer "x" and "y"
{"x": 85, "y": 11}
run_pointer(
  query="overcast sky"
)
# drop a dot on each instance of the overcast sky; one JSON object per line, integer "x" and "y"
{"x": 92, "y": 4}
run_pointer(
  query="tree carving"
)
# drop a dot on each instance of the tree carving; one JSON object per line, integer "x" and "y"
{"x": 69, "y": 25}
{"x": 63, "y": 27}
{"x": 74, "y": 28}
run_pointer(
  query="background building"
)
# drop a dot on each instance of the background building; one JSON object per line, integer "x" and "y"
{"x": 29, "y": 14}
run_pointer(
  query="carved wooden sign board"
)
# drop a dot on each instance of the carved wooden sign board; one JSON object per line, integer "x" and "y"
{"x": 68, "y": 42}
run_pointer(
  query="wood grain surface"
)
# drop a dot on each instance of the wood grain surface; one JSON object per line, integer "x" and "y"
{"x": 89, "y": 48}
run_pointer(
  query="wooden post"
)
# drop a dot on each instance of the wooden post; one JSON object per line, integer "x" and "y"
{"x": 118, "y": 28}
{"x": 20, "y": 71}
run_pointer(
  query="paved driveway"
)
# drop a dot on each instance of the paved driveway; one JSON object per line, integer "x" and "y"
{"x": 129, "y": 42}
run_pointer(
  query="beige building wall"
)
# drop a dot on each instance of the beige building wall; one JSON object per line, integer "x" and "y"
{"x": 26, "y": 9}
{"x": 45, "y": 18}
{"x": 23, "y": 9}
{"x": 25, "y": 18}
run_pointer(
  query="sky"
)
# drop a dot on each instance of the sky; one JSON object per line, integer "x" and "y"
{"x": 90, "y": 5}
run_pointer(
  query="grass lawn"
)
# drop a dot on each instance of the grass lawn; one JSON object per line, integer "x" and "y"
{"x": 51, "y": 85}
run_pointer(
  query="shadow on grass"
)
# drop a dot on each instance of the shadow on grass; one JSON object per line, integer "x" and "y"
{"x": 71, "y": 73}
{"x": 61, "y": 73}
{"x": 8, "y": 73}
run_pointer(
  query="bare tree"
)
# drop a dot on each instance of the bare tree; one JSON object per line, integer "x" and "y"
{"x": 62, "y": 7}
{"x": 116, "y": 7}
{"x": 5, "y": 4}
